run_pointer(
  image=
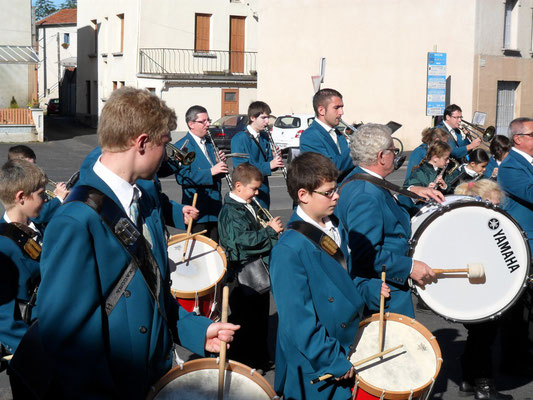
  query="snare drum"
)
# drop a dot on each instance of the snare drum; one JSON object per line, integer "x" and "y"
{"x": 198, "y": 380}
{"x": 463, "y": 231}
{"x": 196, "y": 282}
{"x": 406, "y": 373}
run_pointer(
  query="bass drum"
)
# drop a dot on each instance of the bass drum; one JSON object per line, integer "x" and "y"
{"x": 462, "y": 231}
{"x": 198, "y": 380}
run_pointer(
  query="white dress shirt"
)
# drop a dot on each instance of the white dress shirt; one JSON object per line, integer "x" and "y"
{"x": 523, "y": 154}
{"x": 331, "y": 132}
{"x": 242, "y": 201}
{"x": 253, "y": 132}
{"x": 201, "y": 143}
{"x": 330, "y": 229}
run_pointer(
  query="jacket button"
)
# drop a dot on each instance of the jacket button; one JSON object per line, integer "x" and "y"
{"x": 143, "y": 329}
{"x": 401, "y": 236}
{"x": 127, "y": 293}
{"x": 351, "y": 346}
{"x": 331, "y": 299}
{"x": 343, "y": 325}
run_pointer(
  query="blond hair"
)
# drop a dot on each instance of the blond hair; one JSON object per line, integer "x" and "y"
{"x": 128, "y": 113}
{"x": 482, "y": 188}
{"x": 16, "y": 175}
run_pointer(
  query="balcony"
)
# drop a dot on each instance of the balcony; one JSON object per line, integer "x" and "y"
{"x": 187, "y": 64}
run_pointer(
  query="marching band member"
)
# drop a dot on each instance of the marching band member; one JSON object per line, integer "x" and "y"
{"x": 429, "y": 136}
{"x": 245, "y": 241}
{"x": 473, "y": 169}
{"x": 476, "y": 360}
{"x": 203, "y": 176}
{"x": 22, "y": 185}
{"x": 451, "y": 123}
{"x": 376, "y": 227}
{"x": 60, "y": 191}
{"x": 428, "y": 172}
{"x": 254, "y": 142}
{"x": 110, "y": 319}
{"x": 319, "y": 305}
{"x": 515, "y": 176}
{"x": 322, "y": 137}
{"x": 499, "y": 148}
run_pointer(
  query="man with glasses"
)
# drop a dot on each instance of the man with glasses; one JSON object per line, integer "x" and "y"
{"x": 375, "y": 225}
{"x": 515, "y": 176}
{"x": 203, "y": 176}
{"x": 451, "y": 123}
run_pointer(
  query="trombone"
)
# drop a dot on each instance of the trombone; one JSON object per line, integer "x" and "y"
{"x": 177, "y": 156}
{"x": 473, "y": 131}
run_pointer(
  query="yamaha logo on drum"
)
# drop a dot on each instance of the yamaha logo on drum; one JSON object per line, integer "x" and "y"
{"x": 494, "y": 223}
{"x": 504, "y": 246}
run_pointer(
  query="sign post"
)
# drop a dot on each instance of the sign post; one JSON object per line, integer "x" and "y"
{"x": 436, "y": 84}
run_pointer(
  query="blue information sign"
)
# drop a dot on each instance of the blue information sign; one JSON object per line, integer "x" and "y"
{"x": 436, "y": 84}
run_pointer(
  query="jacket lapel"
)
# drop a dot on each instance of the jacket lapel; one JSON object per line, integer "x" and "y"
{"x": 327, "y": 137}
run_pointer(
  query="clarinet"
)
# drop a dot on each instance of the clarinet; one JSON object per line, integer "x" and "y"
{"x": 273, "y": 147}
{"x": 263, "y": 215}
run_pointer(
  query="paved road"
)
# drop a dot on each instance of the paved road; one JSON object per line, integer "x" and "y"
{"x": 68, "y": 143}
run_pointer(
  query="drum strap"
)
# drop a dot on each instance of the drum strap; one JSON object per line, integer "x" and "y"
{"x": 322, "y": 240}
{"x": 127, "y": 234}
{"x": 382, "y": 183}
{"x": 22, "y": 236}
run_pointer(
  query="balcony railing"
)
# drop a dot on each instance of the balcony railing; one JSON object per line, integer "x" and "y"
{"x": 198, "y": 65}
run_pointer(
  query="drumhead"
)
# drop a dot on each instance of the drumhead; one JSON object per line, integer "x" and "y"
{"x": 198, "y": 379}
{"x": 466, "y": 232}
{"x": 204, "y": 266}
{"x": 410, "y": 368}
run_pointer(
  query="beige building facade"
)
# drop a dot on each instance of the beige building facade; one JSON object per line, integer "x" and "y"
{"x": 376, "y": 55}
{"x": 186, "y": 52}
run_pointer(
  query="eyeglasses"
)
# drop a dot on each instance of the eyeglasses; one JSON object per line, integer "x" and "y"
{"x": 204, "y": 121}
{"x": 456, "y": 117}
{"x": 530, "y": 134}
{"x": 329, "y": 194}
{"x": 396, "y": 151}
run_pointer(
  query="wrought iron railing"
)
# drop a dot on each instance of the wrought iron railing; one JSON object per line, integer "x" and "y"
{"x": 205, "y": 64}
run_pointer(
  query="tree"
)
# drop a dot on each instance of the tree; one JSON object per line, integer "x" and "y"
{"x": 43, "y": 8}
{"x": 69, "y": 4}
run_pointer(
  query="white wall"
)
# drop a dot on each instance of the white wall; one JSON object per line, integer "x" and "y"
{"x": 376, "y": 53}
{"x": 47, "y": 36}
{"x": 15, "y": 29}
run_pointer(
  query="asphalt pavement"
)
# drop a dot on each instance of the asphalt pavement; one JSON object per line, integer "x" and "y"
{"x": 66, "y": 145}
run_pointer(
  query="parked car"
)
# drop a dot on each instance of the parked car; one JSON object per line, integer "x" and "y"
{"x": 226, "y": 127}
{"x": 288, "y": 129}
{"x": 52, "y": 107}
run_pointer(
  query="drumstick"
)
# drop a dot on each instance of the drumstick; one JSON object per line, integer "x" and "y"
{"x": 474, "y": 270}
{"x": 189, "y": 227}
{"x": 192, "y": 235}
{"x": 381, "y": 310}
{"x": 222, "y": 356}
{"x": 358, "y": 363}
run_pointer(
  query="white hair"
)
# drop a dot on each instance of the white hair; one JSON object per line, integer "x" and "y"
{"x": 368, "y": 141}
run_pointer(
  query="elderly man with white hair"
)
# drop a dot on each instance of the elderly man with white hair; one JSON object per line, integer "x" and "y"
{"x": 375, "y": 225}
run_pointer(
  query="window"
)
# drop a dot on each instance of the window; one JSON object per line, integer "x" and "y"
{"x": 66, "y": 38}
{"x": 95, "y": 28}
{"x": 151, "y": 89}
{"x": 122, "y": 83}
{"x": 201, "y": 38}
{"x": 510, "y": 25}
{"x": 114, "y": 85}
{"x": 505, "y": 105}
{"x": 121, "y": 20}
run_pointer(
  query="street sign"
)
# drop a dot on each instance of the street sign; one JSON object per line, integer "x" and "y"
{"x": 436, "y": 84}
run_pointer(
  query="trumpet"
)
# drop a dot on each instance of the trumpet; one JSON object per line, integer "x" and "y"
{"x": 262, "y": 215}
{"x": 473, "y": 131}
{"x": 50, "y": 193}
{"x": 351, "y": 127}
{"x": 176, "y": 155}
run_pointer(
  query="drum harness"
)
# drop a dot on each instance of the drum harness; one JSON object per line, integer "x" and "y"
{"x": 133, "y": 241}
{"x": 22, "y": 236}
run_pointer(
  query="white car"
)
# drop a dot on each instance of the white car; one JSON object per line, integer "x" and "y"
{"x": 287, "y": 131}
